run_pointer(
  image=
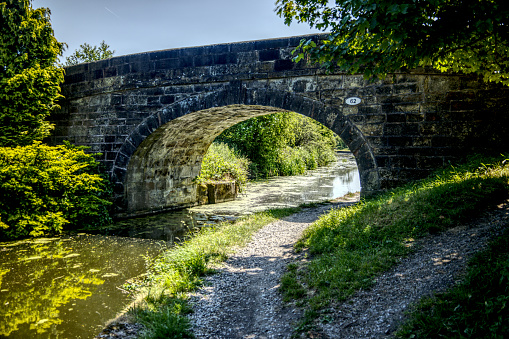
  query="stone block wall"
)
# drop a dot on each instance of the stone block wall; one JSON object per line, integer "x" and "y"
{"x": 217, "y": 192}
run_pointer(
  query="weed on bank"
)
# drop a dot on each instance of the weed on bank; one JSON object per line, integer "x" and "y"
{"x": 349, "y": 247}
{"x": 181, "y": 269}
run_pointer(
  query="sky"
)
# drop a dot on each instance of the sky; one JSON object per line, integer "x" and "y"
{"x": 135, "y": 26}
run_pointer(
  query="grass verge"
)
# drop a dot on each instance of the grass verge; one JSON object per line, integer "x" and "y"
{"x": 162, "y": 308}
{"x": 347, "y": 248}
{"x": 476, "y": 308}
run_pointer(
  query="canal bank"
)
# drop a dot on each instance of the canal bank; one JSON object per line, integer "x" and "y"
{"x": 67, "y": 287}
{"x": 333, "y": 271}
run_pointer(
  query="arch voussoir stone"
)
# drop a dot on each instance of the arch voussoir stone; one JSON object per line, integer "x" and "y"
{"x": 184, "y": 140}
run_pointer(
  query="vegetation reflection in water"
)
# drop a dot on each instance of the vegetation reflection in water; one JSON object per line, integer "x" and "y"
{"x": 322, "y": 184}
{"x": 63, "y": 286}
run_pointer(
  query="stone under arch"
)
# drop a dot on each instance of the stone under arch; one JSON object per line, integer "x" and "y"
{"x": 157, "y": 163}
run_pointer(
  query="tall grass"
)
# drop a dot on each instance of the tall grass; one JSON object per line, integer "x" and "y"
{"x": 350, "y": 246}
{"x": 182, "y": 269}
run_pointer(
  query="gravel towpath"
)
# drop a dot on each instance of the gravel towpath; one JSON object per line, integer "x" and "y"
{"x": 242, "y": 300}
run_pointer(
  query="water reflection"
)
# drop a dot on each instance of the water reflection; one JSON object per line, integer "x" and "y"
{"x": 169, "y": 227}
{"x": 322, "y": 184}
{"x": 66, "y": 287}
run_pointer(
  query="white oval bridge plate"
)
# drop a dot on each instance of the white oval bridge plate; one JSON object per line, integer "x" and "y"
{"x": 353, "y": 101}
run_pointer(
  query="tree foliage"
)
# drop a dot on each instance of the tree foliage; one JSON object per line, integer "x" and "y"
{"x": 284, "y": 143}
{"x": 52, "y": 284}
{"x": 45, "y": 190}
{"x": 378, "y": 37}
{"x": 88, "y": 53}
{"x": 29, "y": 78}
{"x": 260, "y": 139}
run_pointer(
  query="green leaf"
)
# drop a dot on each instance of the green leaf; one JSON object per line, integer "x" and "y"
{"x": 381, "y": 37}
{"x": 29, "y": 80}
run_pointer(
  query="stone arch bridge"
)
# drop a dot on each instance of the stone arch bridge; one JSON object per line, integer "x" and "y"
{"x": 153, "y": 115}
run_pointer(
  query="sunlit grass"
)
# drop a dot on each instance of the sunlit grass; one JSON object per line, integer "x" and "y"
{"x": 164, "y": 317}
{"x": 182, "y": 269}
{"x": 347, "y": 248}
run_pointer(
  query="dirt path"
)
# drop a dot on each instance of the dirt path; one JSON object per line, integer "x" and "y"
{"x": 242, "y": 301}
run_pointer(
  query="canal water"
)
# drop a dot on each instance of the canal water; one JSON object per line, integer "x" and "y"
{"x": 68, "y": 287}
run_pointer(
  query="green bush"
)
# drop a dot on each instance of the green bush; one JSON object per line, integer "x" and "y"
{"x": 283, "y": 143}
{"x": 44, "y": 190}
{"x": 291, "y": 161}
{"x": 222, "y": 162}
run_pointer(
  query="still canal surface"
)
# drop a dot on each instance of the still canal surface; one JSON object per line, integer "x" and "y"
{"x": 68, "y": 287}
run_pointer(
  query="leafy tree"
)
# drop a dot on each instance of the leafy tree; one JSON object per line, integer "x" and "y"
{"x": 260, "y": 139}
{"x": 316, "y": 142}
{"x": 29, "y": 78}
{"x": 88, "y": 53}
{"x": 285, "y": 143}
{"x": 43, "y": 189}
{"x": 377, "y": 37}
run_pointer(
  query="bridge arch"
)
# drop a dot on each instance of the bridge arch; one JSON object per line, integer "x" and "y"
{"x": 405, "y": 126}
{"x": 155, "y": 167}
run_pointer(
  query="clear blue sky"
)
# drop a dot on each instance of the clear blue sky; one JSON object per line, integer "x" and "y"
{"x": 134, "y": 26}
